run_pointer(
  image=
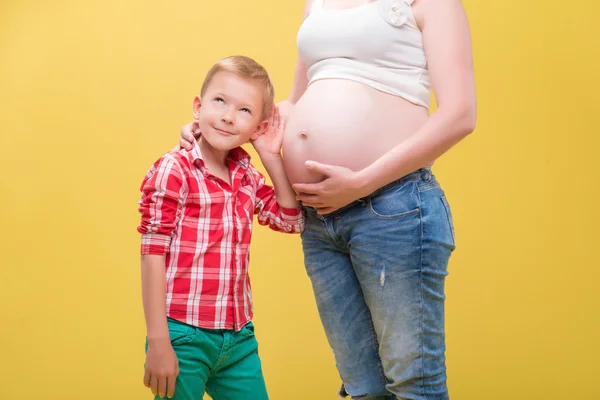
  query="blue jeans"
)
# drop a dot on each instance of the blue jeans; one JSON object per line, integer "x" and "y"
{"x": 377, "y": 268}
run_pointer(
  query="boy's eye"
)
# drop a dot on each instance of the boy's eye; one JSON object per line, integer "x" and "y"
{"x": 219, "y": 99}
{"x": 246, "y": 110}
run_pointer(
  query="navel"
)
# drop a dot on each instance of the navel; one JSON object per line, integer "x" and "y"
{"x": 303, "y": 134}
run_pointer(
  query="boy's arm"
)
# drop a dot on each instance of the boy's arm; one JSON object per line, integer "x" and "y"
{"x": 275, "y": 205}
{"x": 268, "y": 147}
{"x": 286, "y": 197}
{"x": 160, "y": 207}
{"x": 154, "y": 297}
{"x": 282, "y": 215}
{"x": 162, "y": 366}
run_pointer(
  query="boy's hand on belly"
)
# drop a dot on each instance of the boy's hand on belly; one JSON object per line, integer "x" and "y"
{"x": 162, "y": 368}
{"x": 268, "y": 145}
{"x": 340, "y": 187}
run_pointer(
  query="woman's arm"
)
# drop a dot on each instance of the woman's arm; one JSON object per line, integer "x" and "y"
{"x": 300, "y": 79}
{"x": 447, "y": 43}
{"x": 298, "y": 89}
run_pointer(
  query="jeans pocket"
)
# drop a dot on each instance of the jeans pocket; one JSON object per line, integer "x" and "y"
{"x": 248, "y": 329}
{"x": 449, "y": 217}
{"x": 396, "y": 202}
{"x": 179, "y": 332}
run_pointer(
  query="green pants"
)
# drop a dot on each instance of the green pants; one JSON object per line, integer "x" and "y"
{"x": 224, "y": 363}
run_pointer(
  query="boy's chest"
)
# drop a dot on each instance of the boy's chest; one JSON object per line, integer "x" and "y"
{"x": 220, "y": 204}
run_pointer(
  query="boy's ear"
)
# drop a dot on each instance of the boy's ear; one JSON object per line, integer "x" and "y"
{"x": 260, "y": 129}
{"x": 196, "y": 107}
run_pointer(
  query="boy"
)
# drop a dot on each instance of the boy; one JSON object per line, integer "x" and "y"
{"x": 197, "y": 208}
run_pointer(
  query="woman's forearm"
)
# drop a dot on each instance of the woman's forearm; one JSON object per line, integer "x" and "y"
{"x": 443, "y": 129}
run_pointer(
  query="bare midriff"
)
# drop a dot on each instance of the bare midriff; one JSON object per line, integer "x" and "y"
{"x": 345, "y": 123}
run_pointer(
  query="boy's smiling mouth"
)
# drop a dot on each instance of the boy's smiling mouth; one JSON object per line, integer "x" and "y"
{"x": 223, "y": 132}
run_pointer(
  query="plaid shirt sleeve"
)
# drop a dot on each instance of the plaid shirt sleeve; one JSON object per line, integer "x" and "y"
{"x": 281, "y": 219}
{"x": 160, "y": 205}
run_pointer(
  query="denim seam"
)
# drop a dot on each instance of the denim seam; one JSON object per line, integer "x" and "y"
{"x": 428, "y": 186}
{"x": 342, "y": 241}
{"x": 394, "y": 216}
{"x": 450, "y": 222}
{"x": 376, "y": 341}
{"x": 420, "y": 222}
{"x": 399, "y": 216}
{"x": 380, "y": 363}
{"x": 422, "y": 374}
{"x": 336, "y": 234}
{"x": 223, "y": 355}
{"x": 331, "y": 234}
{"x": 422, "y": 329}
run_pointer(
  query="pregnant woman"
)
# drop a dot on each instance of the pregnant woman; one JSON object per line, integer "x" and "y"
{"x": 358, "y": 147}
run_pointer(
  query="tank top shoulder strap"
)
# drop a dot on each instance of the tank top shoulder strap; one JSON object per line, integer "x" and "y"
{"x": 317, "y": 5}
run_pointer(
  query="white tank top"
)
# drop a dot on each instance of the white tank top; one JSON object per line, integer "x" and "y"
{"x": 377, "y": 44}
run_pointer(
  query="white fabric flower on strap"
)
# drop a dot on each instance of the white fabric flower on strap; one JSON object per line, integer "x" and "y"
{"x": 395, "y": 12}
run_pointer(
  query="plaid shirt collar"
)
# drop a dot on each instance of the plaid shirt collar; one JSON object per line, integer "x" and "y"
{"x": 237, "y": 155}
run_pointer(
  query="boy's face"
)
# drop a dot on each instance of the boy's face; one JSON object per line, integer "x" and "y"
{"x": 230, "y": 112}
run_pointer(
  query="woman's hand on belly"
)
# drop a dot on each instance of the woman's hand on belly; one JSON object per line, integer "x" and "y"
{"x": 340, "y": 187}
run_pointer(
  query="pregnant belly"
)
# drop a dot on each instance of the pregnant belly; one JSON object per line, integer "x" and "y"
{"x": 345, "y": 123}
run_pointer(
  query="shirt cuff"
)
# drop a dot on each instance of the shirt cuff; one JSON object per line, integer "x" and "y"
{"x": 294, "y": 217}
{"x": 154, "y": 243}
{"x": 290, "y": 212}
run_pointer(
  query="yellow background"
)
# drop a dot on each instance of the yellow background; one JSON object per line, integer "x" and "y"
{"x": 92, "y": 92}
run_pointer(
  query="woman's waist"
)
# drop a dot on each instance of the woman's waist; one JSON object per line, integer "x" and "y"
{"x": 353, "y": 92}
{"x": 423, "y": 177}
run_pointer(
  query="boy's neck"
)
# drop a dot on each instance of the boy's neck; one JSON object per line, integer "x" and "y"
{"x": 215, "y": 160}
{"x": 212, "y": 156}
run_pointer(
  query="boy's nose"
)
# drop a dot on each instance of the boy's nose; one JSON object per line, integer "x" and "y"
{"x": 227, "y": 117}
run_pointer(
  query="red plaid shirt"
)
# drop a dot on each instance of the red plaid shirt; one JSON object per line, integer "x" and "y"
{"x": 203, "y": 227}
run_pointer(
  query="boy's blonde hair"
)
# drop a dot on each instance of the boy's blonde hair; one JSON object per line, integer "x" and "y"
{"x": 246, "y": 68}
